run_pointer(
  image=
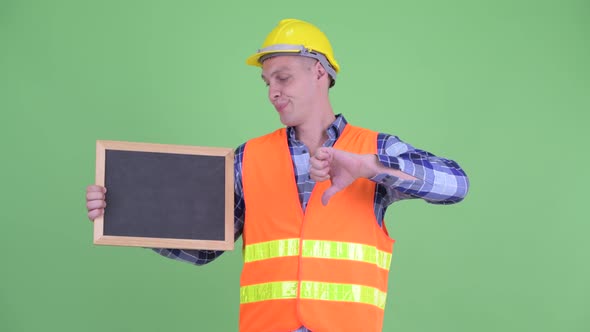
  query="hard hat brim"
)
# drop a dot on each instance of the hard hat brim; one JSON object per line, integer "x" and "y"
{"x": 254, "y": 60}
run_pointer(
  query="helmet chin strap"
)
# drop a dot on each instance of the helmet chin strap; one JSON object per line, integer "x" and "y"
{"x": 287, "y": 49}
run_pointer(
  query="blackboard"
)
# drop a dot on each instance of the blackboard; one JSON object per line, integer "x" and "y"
{"x": 165, "y": 196}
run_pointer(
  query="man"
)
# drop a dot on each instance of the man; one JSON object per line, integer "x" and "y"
{"x": 310, "y": 199}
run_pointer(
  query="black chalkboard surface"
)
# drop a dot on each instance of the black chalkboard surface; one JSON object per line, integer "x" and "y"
{"x": 165, "y": 196}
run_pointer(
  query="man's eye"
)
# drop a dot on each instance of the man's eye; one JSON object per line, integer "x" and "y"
{"x": 282, "y": 79}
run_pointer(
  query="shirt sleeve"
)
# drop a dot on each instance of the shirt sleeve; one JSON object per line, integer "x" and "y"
{"x": 439, "y": 180}
{"x": 201, "y": 257}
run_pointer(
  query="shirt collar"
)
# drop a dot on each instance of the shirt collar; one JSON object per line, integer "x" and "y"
{"x": 333, "y": 131}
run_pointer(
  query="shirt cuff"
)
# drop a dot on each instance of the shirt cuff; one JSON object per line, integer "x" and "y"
{"x": 392, "y": 181}
{"x": 388, "y": 161}
{"x": 395, "y": 182}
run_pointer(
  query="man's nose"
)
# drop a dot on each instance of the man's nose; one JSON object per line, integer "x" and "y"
{"x": 274, "y": 91}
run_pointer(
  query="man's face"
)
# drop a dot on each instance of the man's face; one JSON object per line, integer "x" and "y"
{"x": 292, "y": 88}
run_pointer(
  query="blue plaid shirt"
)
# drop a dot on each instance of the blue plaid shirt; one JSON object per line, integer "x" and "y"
{"x": 439, "y": 181}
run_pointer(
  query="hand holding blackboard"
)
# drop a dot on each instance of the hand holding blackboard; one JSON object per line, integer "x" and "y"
{"x": 162, "y": 196}
{"x": 95, "y": 201}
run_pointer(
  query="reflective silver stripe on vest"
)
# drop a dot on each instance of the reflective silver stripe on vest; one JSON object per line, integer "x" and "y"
{"x": 317, "y": 249}
{"x": 312, "y": 290}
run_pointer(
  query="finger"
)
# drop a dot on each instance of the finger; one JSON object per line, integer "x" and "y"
{"x": 95, "y": 195}
{"x": 320, "y": 172}
{"x": 95, "y": 214}
{"x": 323, "y": 153}
{"x": 318, "y": 164}
{"x": 328, "y": 195}
{"x": 96, "y": 204}
{"x": 96, "y": 188}
{"x": 320, "y": 178}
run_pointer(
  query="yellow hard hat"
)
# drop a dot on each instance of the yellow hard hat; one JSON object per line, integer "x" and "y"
{"x": 297, "y": 37}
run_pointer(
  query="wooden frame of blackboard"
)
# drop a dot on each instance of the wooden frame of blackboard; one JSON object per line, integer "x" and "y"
{"x": 226, "y": 155}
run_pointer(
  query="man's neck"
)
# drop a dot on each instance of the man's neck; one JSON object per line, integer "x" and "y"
{"x": 313, "y": 133}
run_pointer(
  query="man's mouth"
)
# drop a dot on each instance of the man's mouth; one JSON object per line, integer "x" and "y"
{"x": 280, "y": 106}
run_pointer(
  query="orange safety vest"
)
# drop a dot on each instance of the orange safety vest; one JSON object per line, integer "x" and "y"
{"x": 326, "y": 268}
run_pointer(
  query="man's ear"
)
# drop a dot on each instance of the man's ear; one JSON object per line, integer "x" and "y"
{"x": 319, "y": 70}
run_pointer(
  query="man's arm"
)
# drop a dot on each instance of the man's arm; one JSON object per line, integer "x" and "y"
{"x": 405, "y": 172}
{"x": 435, "y": 179}
{"x": 201, "y": 257}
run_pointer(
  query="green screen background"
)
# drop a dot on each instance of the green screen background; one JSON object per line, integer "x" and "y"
{"x": 502, "y": 87}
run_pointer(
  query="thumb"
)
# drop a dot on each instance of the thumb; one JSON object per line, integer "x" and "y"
{"x": 328, "y": 193}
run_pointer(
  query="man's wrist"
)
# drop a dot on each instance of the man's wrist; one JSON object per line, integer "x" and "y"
{"x": 375, "y": 167}
{"x": 372, "y": 166}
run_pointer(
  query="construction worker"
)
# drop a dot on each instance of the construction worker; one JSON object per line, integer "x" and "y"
{"x": 311, "y": 198}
